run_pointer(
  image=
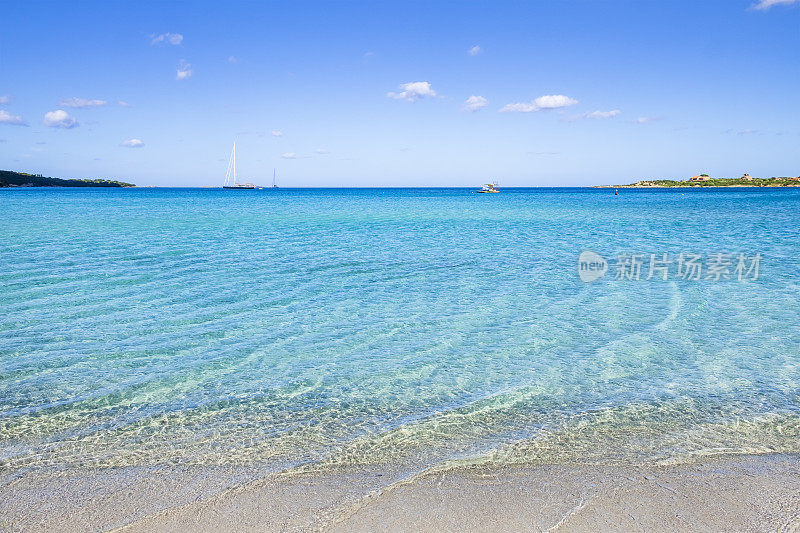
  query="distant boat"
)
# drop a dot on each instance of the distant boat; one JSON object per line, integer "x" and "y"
{"x": 490, "y": 188}
{"x": 230, "y": 175}
{"x": 274, "y": 182}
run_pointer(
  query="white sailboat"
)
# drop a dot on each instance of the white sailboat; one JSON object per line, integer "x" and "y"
{"x": 274, "y": 182}
{"x": 230, "y": 175}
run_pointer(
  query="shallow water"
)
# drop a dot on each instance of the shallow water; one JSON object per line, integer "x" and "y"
{"x": 358, "y": 326}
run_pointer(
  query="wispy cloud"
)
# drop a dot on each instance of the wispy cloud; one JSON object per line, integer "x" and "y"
{"x": 289, "y": 155}
{"x": 320, "y": 151}
{"x": 548, "y": 101}
{"x": 599, "y": 115}
{"x": 13, "y": 120}
{"x": 645, "y": 120}
{"x": 747, "y": 132}
{"x": 413, "y": 91}
{"x": 766, "y": 4}
{"x": 123, "y": 103}
{"x": 475, "y": 50}
{"x": 132, "y": 143}
{"x": 475, "y": 103}
{"x": 543, "y": 152}
{"x": 232, "y": 59}
{"x": 168, "y": 38}
{"x": 81, "y": 103}
{"x": 276, "y": 133}
{"x": 59, "y": 119}
{"x": 184, "y": 70}
{"x": 5, "y": 99}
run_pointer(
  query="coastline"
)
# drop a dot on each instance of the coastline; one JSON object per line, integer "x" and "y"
{"x": 10, "y": 179}
{"x": 730, "y": 492}
{"x": 693, "y": 186}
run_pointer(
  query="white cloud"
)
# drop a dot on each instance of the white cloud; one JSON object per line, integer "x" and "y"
{"x": 184, "y": 70}
{"x": 766, "y": 4}
{"x": 475, "y": 50}
{"x": 645, "y": 120}
{"x": 520, "y": 107}
{"x": 14, "y": 120}
{"x": 171, "y": 38}
{"x": 81, "y": 103}
{"x": 597, "y": 115}
{"x": 554, "y": 101}
{"x": 5, "y": 99}
{"x": 232, "y": 59}
{"x": 289, "y": 155}
{"x": 548, "y": 101}
{"x": 59, "y": 119}
{"x": 475, "y": 103}
{"x": 123, "y": 103}
{"x": 320, "y": 151}
{"x": 413, "y": 91}
{"x": 276, "y": 133}
{"x": 132, "y": 143}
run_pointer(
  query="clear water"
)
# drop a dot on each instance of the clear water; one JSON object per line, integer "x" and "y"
{"x": 352, "y": 327}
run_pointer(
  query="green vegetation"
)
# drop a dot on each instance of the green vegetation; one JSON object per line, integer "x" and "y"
{"x": 718, "y": 182}
{"x": 9, "y": 178}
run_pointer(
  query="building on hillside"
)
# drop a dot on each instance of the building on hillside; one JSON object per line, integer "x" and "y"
{"x": 747, "y": 177}
{"x": 701, "y": 177}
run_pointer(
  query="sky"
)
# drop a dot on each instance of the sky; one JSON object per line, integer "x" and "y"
{"x": 379, "y": 93}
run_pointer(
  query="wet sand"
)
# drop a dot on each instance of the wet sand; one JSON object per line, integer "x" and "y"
{"x": 740, "y": 493}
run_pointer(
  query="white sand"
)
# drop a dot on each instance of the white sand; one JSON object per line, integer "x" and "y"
{"x": 749, "y": 493}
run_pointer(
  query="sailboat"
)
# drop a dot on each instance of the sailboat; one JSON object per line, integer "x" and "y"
{"x": 230, "y": 177}
{"x": 274, "y": 182}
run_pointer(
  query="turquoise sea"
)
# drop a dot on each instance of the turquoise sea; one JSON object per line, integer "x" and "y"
{"x": 351, "y": 327}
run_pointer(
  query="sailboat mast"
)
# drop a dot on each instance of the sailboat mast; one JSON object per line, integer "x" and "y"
{"x": 234, "y": 162}
{"x": 274, "y": 183}
{"x": 228, "y": 171}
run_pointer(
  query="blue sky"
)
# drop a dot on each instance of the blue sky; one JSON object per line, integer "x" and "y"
{"x": 401, "y": 93}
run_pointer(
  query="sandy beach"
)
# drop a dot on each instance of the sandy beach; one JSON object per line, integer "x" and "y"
{"x": 728, "y": 493}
